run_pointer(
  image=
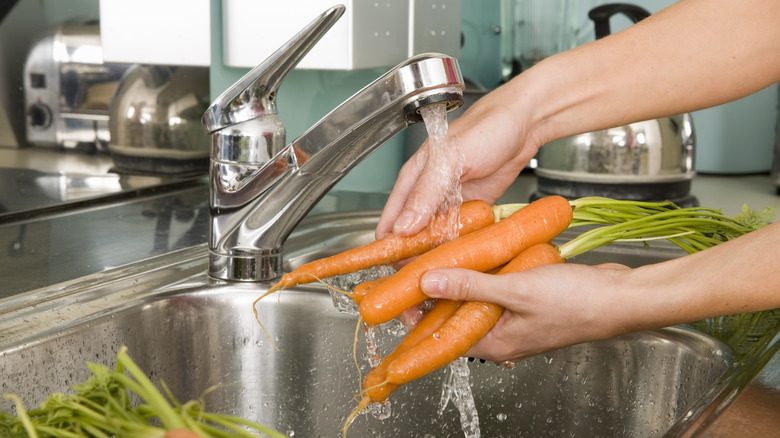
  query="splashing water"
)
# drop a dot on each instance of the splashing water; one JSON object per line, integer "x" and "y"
{"x": 372, "y": 349}
{"x": 457, "y": 389}
{"x": 443, "y": 169}
{"x": 444, "y": 163}
{"x": 347, "y": 282}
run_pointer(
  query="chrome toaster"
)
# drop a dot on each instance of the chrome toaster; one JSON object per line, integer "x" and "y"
{"x": 68, "y": 88}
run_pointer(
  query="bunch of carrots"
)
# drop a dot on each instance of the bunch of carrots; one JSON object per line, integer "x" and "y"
{"x": 497, "y": 240}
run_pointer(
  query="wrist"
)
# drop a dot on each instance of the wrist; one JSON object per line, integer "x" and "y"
{"x": 662, "y": 295}
{"x": 553, "y": 113}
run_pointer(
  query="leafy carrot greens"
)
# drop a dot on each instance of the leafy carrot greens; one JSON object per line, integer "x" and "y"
{"x": 103, "y": 406}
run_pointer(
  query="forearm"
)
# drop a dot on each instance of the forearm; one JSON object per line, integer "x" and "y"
{"x": 692, "y": 55}
{"x": 741, "y": 275}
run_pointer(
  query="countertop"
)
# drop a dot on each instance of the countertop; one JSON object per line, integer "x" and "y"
{"x": 727, "y": 192}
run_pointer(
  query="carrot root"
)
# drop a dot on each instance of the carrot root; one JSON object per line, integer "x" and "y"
{"x": 375, "y": 383}
{"x": 362, "y": 405}
{"x": 279, "y": 288}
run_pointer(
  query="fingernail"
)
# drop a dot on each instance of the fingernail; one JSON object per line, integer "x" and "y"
{"x": 404, "y": 221}
{"x": 434, "y": 283}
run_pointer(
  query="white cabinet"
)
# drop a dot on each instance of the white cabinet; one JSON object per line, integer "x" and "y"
{"x": 163, "y": 32}
{"x": 371, "y": 34}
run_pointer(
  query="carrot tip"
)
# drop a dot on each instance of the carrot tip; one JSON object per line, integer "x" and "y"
{"x": 351, "y": 417}
{"x": 257, "y": 317}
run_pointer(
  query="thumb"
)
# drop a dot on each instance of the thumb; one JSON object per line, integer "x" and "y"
{"x": 459, "y": 284}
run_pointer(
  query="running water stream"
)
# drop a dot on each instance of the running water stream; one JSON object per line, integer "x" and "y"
{"x": 444, "y": 165}
{"x": 443, "y": 168}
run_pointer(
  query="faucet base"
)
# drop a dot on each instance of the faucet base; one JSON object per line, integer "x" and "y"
{"x": 262, "y": 266}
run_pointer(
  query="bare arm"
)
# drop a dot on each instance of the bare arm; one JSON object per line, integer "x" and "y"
{"x": 692, "y": 55}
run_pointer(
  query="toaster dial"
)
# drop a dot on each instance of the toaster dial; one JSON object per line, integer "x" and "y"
{"x": 39, "y": 116}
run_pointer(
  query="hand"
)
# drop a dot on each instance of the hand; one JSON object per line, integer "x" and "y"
{"x": 545, "y": 308}
{"x": 495, "y": 146}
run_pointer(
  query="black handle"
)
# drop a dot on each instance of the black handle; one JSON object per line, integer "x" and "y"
{"x": 601, "y": 15}
{"x": 5, "y": 8}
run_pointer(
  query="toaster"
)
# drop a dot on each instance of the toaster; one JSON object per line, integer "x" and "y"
{"x": 68, "y": 88}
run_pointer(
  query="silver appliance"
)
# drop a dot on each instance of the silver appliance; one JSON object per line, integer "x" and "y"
{"x": 651, "y": 160}
{"x": 155, "y": 120}
{"x": 68, "y": 87}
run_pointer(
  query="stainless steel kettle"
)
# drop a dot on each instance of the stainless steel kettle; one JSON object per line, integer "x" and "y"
{"x": 155, "y": 120}
{"x": 648, "y": 160}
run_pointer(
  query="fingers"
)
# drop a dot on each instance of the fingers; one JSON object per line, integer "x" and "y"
{"x": 462, "y": 285}
{"x": 398, "y": 201}
{"x": 412, "y": 316}
{"x": 422, "y": 188}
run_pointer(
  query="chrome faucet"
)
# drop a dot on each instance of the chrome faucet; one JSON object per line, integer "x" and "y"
{"x": 260, "y": 189}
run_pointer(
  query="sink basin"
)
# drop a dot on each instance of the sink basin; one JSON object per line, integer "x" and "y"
{"x": 197, "y": 333}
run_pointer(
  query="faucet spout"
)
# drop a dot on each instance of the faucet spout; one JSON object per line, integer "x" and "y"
{"x": 255, "y": 207}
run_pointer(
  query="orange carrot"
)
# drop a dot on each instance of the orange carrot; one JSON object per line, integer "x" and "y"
{"x": 470, "y": 323}
{"x": 432, "y": 320}
{"x": 473, "y": 215}
{"x": 362, "y": 289}
{"x": 482, "y": 250}
{"x": 378, "y": 389}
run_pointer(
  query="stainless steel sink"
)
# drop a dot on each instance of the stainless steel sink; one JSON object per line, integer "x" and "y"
{"x": 197, "y": 333}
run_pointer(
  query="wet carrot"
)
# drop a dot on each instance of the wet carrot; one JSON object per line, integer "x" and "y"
{"x": 375, "y": 382}
{"x": 470, "y": 323}
{"x": 473, "y": 215}
{"x": 439, "y": 313}
{"x": 482, "y": 250}
{"x": 362, "y": 289}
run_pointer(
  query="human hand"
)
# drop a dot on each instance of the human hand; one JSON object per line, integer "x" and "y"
{"x": 545, "y": 308}
{"x": 495, "y": 145}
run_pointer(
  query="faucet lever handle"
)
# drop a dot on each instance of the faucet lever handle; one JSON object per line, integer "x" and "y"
{"x": 254, "y": 95}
